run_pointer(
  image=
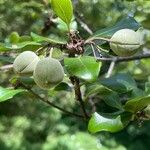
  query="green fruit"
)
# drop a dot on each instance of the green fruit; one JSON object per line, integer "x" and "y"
{"x": 48, "y": 73}
{"x": 25, "y": 62}
{"x": 126, "y": 42}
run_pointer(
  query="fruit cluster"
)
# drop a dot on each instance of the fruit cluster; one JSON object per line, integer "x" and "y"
{"x": 47, "y": 72}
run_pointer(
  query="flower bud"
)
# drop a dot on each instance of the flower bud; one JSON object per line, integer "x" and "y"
{"x": 48, "y": 73}
{"x": 125, "y": 42}
{"x": 25, "y": 62}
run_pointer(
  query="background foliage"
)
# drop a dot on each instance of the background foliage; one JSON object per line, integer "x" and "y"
{"x": 26, "y": 123}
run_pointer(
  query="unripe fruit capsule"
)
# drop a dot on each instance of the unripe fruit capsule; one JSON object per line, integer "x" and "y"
{"x": 48, "y": 73}
{"x": 125, "y": 42}
{"x": 25, "y": 62}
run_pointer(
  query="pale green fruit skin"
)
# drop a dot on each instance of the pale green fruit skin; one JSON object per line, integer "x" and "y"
{"x": 147, "y": 111}
{"x": 125, "y": 36}
{"x": 48, "y": 73}
{"x": 25, "y": 62}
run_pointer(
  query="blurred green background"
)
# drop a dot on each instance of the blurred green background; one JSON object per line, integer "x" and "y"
{"x": 28, "y": 124}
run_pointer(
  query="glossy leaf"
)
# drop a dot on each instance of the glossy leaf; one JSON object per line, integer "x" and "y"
{"x": 128, "y": 22}
{"x": 137, "y": 104}
{"x": 120, "y": 83}
{"x": 62, "y": 26}
{"x": 99, "y": 123}
{"x": 85, "y": 68}
{"x": 6, "y": 94}
{"x": 63, "y": 9}
{"x": 38, "y": 38}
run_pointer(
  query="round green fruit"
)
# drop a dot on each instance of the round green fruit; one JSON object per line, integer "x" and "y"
{"x": 25, "y": 62}
{"x": 125, "y": 42}
{"x": 48, "y": 73}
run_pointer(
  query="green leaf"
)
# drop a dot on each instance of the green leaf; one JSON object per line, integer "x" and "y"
{"x": 62, "y": 26}
{"x": 85, "y": 68}
{"x": 26, "y": 80}
{"x": 38, "y": 38}
{"x": 96, "y": 89}
{"x": 120, "y": 83}
{"x": 110, "y": 97}
{"x": 63, "y": 87}
{"x": 128, "y": 22}
{"x": 113, "y": 100}
{"x": 3, "y": 48}
{"x": 6, "y": 59}
{"x": 99, "y": 123}
{"x": 147, "y": 88}
{"x": 137, "y": 93}
{"x": 23, "y": 45}
{"x": 25, "y": 38}
{"x": 6, "y": 94}
{"x": 137, "y": 104}
{"x": 63, "y": 9}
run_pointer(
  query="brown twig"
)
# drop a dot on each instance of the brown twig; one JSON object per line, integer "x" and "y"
{"x": 115, "y": 59}
{"x": 124, "y": 59}
{"x": 74, "y": 80}
{"x": 83, "y": 24}
{"x": 79, "y": 96}
{"x": 50, "y": 103}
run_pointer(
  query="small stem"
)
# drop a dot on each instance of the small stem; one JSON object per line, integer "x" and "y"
{"x": 51, "y": 52}
{"x": 109, "y": 40}
{"x": 110, "y": 70}
{"x": 93, "y": 50}
{"x": 101, "y": 49}
{"x": 40, "y": 49}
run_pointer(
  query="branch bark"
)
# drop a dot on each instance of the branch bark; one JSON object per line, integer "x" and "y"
{"x": 79, "y": 97}
{"x": 50, "y": 103}
{"x": 124, "y": 59}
